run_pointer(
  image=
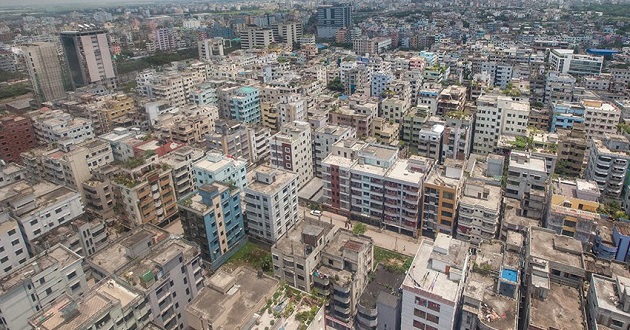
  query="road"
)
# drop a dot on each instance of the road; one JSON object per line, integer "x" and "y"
{"x": 383, "y": 238}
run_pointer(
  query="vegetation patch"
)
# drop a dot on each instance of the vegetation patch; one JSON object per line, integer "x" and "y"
{"x": 392, "y": 261}
{"x": 253, "y": 255}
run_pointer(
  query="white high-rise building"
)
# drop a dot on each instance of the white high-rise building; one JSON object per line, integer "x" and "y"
{"x": 291, "y": 149}
{"x": 498, "y": 115}
{"x": 210, "y": 47}
{"x": 56, "y": 126}
{"x": 608, "y": 161}
{"x": 165, "y": 270}
{"x": 323, "y": 139}
{"x": 271, "y": 203}
{"x": 45, "y": 71}
{"x": 88, "y": 56}
{"x": 38, "y": 283}
{"x": 40, "y": 207}
{"x": 565, "y": 61}
{"x": 13, "y": 251}
{"x": 432, "y": 288}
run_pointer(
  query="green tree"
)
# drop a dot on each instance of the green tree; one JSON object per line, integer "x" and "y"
{"x": 335, "y": 85}
{"x": 359, "y": 229}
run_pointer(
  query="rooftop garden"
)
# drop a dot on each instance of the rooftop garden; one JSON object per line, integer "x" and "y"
{"x": 392, "y": 261}
{"x": 125, "y": 180}
{"x": 133, "y": 163}
{"x": 456, "y": 115}
{"x": 293, "y": 308}
{"x": 522, "y": 143}
{"x": 510, "y": 90}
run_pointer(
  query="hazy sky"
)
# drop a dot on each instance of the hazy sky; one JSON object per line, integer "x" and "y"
{"x": 50, "y": 4}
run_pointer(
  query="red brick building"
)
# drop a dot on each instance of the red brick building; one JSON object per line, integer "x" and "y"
{"x": 16, "y": 136}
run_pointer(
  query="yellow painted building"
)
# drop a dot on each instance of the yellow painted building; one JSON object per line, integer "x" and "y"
{"x": 572, "y": 209}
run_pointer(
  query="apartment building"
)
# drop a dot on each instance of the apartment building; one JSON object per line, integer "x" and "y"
{"x": 40, "y": 207}
{"x": 565, "y": 115}
{"x": 189, "y": 126}
{"x": 98, "y": 193}
{"x": 88, "y": 56}
{"x": 600, "y": 118}
{"x": 572, "y": 209}
{"x": 45, "y": 71}
{"x": 212, "y": 217}
{"x": 11, "y": 173}
{"x": 111, "y": 304}
{"x": 457, "y": 136}
{"x": 83, "y": 235}
{"x": 394, "y": 108}
{"x": 181, "y": 161}
{"x": 558, "y": 87}
{"x": 144, "y": 193}
{"x": 572, "y": 145}
{"x": 323, "y": 139}
{"x": 296, "y": 255}
{"x": 479, "y": 211}
{"x": 69, "y": 165}
{"x": 256, "y": 38}
{"x": 607, "y": 302}
{"x": 292, "y": 150}
{"x": 42, "y": 280}
{"x": 164, "y": 39}
{"x": 451, "y": 99}
{"x": 17, "y": 136}
{"x": 493, "y": 290}
{"x": 205, "y": 94}
{"x": 432, "y": 289}
{"x": 565, "y": 61}
{"x": 608, "y": 161}
{"x": 210, "y": 47}
{"x": 287, "y": 32}
{"x": 271, "y": 203}
{"x": 527, "y": 181}
{"x": 441, "y": 192}
{"x": 165, "y": 270}
{"x": 554, "y": 271}
{"x": 345, "y": 116}
{"x": 218, "y": 167}
{"x": 330, "y": 19}
{"x": 230, "y": 138}
{"x": 56, "y": 126}
{"x": 429, "y": 139}
{"x": 173, "y": 85}
{"x": 366, "y": 45}
{"x": 496, "y": 116}
{"x": 106, "y": 112}
{"x": 221, "y": 305}
{"x": 258, "y": 140}
{"x": 342, "y": 275}
{"x": 283, "y": 109}
{"x": 14, "y": 249}
{"x": 369, "y": 183}
{"x": 245, "y": 105}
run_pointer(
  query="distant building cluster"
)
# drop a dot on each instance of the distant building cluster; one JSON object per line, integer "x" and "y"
{"x": 305, "y": 166}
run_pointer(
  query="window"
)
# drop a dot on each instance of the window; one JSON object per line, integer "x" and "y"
{"x": 433, "y": 306}
{"x": 419, "y": 313}
{"x": 418, "y": 325}
{"x": 432, "y": 318}
{"x": 420, "y": 301}
{"x": 49, "y": 291}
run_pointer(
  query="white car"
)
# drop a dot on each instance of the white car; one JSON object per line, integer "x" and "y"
{"x": 316, "y": 212}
